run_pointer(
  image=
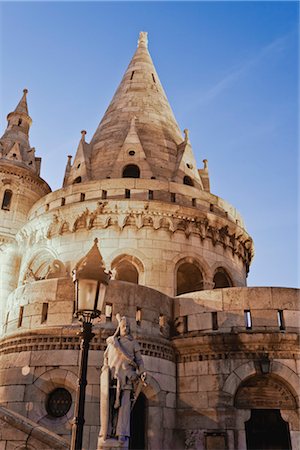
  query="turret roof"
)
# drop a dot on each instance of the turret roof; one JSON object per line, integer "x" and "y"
{"x": 140, "y": 95}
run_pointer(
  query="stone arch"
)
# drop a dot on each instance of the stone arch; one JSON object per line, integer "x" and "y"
{"x": 221, "y": 278}
{"x": 247, "y": 370}
{"x": 47, "y": 382}
{"x": 189, "y": 275}
{"x": 36, "y": 267}
{"x": 134, "y": 256}
{"x": 188, "y": 181}
{"x": 230, "y": 271}
{"x": 127, "y": 268}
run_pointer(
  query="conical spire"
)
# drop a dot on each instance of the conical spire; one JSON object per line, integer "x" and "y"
{"x": 139, "y": 94}
{"x": 22, "y": 107}
{"x": 80, "y": 169}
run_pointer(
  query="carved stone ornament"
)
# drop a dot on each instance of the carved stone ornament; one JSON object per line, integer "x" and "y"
{"x": 102, "y": 217}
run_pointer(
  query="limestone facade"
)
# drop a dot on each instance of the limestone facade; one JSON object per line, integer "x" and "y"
{"x": 179, "y": 257}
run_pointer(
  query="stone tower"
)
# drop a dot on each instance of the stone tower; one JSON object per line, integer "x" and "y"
{"x": 20, "y": 188}
{"x": 216, "y": 352}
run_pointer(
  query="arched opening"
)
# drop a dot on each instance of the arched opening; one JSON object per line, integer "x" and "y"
{"x": 138, "y": 424}
{"x": 126, "y": 271}
{"x": 266, "y": 430}
{"x": 265, "y": 396}
{"x": 187, "y": 180}
{"x": 131, "y": 171}
{"x": 77, "y": 180}
{"x": 221, "y": 279}
{"x": 6, "y": 202}
{"x": 189, "y": 278}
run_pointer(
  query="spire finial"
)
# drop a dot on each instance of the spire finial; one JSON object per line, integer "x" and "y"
{"x": 143, "y": 39}
{"x": 205, "y": 162}
{"x": 186, "y": 135}
{"x": 83, "y": 133}
{"x": 25, "y": 91}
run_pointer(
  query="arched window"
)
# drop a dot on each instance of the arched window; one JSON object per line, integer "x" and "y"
{"x": 131, "y": 171}
{"x": 221, "y": 279}
{"x": 77, "y": 180}
{"x": 189, "y": 278}
{"x": 126, "y": 271}
{"x": 187, "y": 180}
{"x": 6, "y": 202}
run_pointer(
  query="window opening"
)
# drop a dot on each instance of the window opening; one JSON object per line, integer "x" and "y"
{"x": 221, "y": 279}
{"x": 187, "y": 180}
{"x": 150, "y": 195}
{"x": 19, "y": 122}
{"x": 189, "y": 278}
{"x": 20, "y": 320}
{"x": 138, "y": 316}
{"x": 44, "y": 312}
{"x": 214, "y": 319}
{"x": 131, "y": 152}
{"x": 108, "y": 312}
{"x": 248, "y": 320}
{"x": 280, "y": 318}
{"x": 173, "y": 197}
{"x": 82, "y": 197}
{"x": 153, "y": 78}
{"x": 132, "y": 73}
{"x": 77, "y": 180}
{"x": 63, "y": 201}
{"x": 131, "y": 171}
{"x": 104, "y": 194}
{"x": 59, "y": 402}
{"x": 194, "y": 202}
{"x": 6, "y": 202}
{"x": 127, "y": 193}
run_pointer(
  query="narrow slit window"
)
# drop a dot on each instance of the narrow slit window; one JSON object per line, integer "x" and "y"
{"x": 82, "y": 197}
{"x": 104, "y": 194}
{"x": 20, "y": 320}
{"x": 132, "y": 73}
{"x": 211, "y": 207}
{"x": 194, "y": 202}
{"x": 173, "y": 197}
{"x": 150, "y": 195}
{"x": 185, "y": 324}
{"x": 214, "y": 319}
{"x": 6, "y": 321}
{"x": 248, "y": 320}
{"x": 6, "y": 202}
{"x": 280, "y": 318}
{"x": 127, "y": 193}
{"x": 19, "y": 122}
{"x": 44, "y": 313}
{"x": 63, "y": 201}
{"x": 138, "y": 316}
{"x": 153, "y": 78}
{"x": 108, "y": 312}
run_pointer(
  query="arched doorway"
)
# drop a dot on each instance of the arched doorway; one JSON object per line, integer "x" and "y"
{"x": 138, "y": 424}
{"x": 266, "y": 430}
{"x": 126, "y": 271}
{"x": 265, "y": 396}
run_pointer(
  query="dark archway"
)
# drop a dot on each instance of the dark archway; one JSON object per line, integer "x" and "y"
{"x": 77, "y": 180}
{"x": 266, "y": 430}
{"x": 189, "y": 278}
{"x": 138, "y": 424}
{"x": 6, "y": 202}
{"x": 221, "y": 279}
{"x": 126, "y": 271}
{"x": 131, "y": 171}
{"x": 188, "y": 181}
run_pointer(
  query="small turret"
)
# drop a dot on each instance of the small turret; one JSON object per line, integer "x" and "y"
{"x": 79, "y": 171}
{"x": 14, "y": 143}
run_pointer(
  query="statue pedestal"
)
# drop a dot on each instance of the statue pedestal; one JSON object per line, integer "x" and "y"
{"x": 112, "y": 444}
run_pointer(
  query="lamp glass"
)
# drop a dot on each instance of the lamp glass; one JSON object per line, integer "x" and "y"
{"x": 86, "y": 295}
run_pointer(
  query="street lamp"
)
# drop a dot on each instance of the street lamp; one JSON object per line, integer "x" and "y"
{"x": 90, "y": 281}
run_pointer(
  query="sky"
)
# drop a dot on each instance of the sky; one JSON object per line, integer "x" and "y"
{"x": 229, "y": 70}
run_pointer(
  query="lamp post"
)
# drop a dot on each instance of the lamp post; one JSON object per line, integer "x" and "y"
{"x": 90, "y": 281}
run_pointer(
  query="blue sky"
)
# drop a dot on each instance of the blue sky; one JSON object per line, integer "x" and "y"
{"x": 230, "y": 73}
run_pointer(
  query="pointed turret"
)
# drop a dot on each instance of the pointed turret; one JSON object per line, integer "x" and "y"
{"x": 139, "y": 94}
{"x": 14, "y": 144}
{"x": 79, "y": 171}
